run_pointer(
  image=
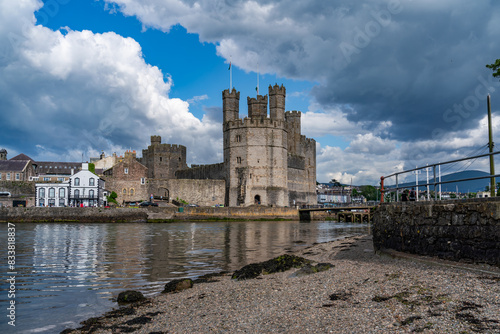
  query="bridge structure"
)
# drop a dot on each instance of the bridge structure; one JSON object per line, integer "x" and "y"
{"x": 344, "y": 213}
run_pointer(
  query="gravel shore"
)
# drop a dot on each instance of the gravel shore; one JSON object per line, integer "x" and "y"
{"x": 363, "y": 293}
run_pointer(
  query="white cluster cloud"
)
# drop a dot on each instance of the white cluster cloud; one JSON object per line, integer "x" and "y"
{"x": 84, "y": 92}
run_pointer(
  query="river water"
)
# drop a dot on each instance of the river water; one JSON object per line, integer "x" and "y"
{"x": 66, "y": 273}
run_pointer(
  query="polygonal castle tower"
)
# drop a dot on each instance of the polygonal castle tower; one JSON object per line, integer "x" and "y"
{"x": 163, "y": 160}
{"x": 263, "y": 165}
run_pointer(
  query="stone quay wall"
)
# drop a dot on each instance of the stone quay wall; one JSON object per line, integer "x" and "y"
{"x": 461, "y": 230}
{"x": 121, "y": 215}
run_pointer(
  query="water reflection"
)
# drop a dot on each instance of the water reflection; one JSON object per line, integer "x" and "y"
{"x": 74, "y": 271}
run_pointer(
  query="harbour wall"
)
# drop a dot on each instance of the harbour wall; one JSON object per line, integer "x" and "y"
{"x": 117, "y": 215}
{"x": 461, "y": 230}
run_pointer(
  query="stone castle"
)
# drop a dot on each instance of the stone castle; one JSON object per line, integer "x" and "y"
{"x": 267, "y": 160}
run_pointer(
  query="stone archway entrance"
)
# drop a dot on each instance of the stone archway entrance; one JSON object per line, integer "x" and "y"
{"x": 257, "y": 199}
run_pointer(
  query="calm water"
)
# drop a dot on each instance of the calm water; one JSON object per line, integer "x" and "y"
{"x": 67, "y": 273}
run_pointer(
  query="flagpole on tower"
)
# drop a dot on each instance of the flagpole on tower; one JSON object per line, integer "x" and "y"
{"x": 230, "y": 75}
{"x": 257, "y": 88}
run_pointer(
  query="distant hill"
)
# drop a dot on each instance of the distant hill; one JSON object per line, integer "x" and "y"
{"x": 463, "y": 186}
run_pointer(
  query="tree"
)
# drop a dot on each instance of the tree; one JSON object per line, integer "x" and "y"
{"x": 335, "y": 183}
{"x": 487, "y": 188}
{"x": 370, "y": 193}
{"x": 495, "y": 67}
{"x": 112, "y": 198}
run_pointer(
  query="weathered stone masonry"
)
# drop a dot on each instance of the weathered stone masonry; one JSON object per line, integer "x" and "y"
{"x": 455, "y": 230}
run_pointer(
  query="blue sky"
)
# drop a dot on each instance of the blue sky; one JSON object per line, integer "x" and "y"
{"x": 379, "y": 89}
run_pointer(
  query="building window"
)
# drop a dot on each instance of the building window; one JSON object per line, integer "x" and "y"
{"x": 60, "y": 179}
{"x": 161, "y": 159}
{"x": 91, "y": 194}
{"x": 61, "y": 202}
{"x": 52, "y": 193}
{"x": 238, "y": 160}
{"x": 131, "y": 191}
{"x": 62, "y": 192}
{"x": 42, "y": 202}
{"x": 238, "y": 138}
{"x": 42, "y": 192}
{"x": 77, "y": 193}
{"x": 124, "y": 191}
{"x": 0, "y": 176}
{"x": 77, "y": 181}
{"x": 52, "y": 202}
{"x": 91, "y": 182}
{"x": 47, "y": 179}
{"x": 18, "y": 176}
{"x": 143, "y": 180}
{"x": 8, "y": 176}
{"x": 125, "y": 170}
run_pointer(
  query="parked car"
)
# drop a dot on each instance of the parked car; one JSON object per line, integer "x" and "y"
{"x": 148, "y": 204}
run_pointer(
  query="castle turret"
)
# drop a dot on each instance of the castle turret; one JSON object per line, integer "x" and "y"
{"x": 277, "y": 96}
{"x": 257, "y": 107}
{"x": 155, "y": 140}
{"x": 231, "y": 105}
{"x": 3, "y": 154}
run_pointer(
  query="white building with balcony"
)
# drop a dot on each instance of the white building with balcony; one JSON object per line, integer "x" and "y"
{"x": 83, "y": 189}
{"x": 86, "y": 188}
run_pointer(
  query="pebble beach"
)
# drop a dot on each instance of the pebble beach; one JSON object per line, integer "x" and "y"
{"x": 364, "y": 292}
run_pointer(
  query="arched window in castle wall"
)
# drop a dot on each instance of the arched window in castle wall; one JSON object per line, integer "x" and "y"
{"x": 131, "y": 191}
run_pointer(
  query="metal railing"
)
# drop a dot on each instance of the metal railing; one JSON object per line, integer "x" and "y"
{"x": 435, "y": 182}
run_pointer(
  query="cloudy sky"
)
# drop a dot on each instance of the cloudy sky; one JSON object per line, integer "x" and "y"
{"x": 383, "y": 85}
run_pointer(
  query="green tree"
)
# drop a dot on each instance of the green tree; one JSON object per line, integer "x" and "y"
{"x": 92, "y": 168}
{"x": 335, "y": 183}
{"x": 495, "y": 67}
{"x": 370, "y": 193}
{"x": 487, "y": 188}
{"x": 112, "y": 198}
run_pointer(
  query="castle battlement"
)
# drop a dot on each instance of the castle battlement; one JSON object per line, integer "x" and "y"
{"x": 277, "y": 90}
{"x": 233, "y": 94}
{"x": 259, "y": 99}
{"x": 293, "y": 113}
{"x": 307, "y": 141}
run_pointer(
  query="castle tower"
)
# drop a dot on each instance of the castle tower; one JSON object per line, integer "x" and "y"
{"x": 3, "y": 154}
{"x": 155, "y": 140}
{"x": 292, "y": 121}
{"x": 257, "y": 107}
{"x": 231, "y": 105}
{"x": 277, "y": 96}
{"x": 163, "y": 160}
{"x": 255, "y": 158}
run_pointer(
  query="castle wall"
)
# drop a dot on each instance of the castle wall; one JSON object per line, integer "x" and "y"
{"x": 302, "y": 174}
{"x": 212, "y": 172}
{"x": 200, "y": 192}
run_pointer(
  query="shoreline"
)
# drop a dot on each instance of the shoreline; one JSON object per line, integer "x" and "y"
{"x": 364, "y": 292}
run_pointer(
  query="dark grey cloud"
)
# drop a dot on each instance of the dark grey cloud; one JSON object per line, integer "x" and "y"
{"x": 407, "y": 62}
